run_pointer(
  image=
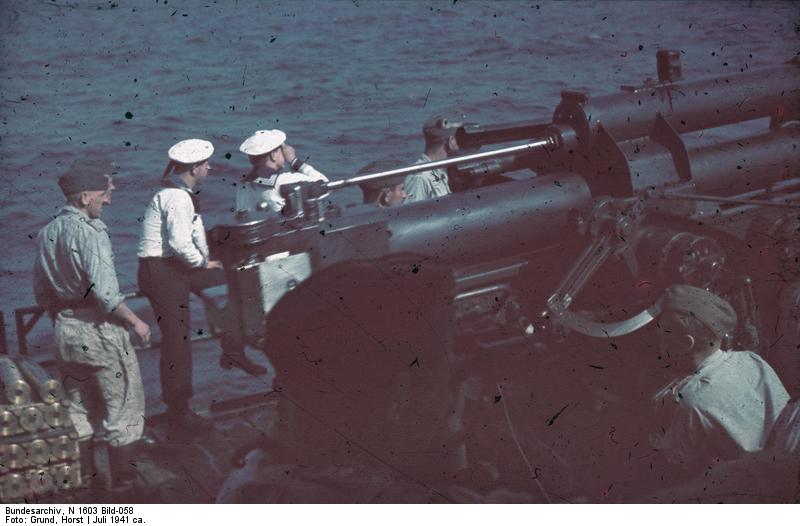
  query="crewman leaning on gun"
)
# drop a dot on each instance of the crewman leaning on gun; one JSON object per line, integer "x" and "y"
{"x": 75, "y": 281}
{"x": 268, "y": 154}
{"x": 440, "y": 142}
{"x": 173, "y": 261}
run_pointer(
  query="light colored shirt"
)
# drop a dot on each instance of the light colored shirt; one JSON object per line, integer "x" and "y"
{"x": 74, "y": 262}
{"x": 726, "y": 407}
{"x": 426, "y": 185}
{"x": 171, "y": 227}
{"x": 250, "y": 194}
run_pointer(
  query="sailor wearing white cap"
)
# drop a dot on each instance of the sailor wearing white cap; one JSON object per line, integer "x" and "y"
{"x": 269, "y": 153}
{"x": 173, "y": 261}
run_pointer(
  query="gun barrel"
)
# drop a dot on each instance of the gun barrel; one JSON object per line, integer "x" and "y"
{"x": 341, "y": 183}
{"x": 687, "y": 106}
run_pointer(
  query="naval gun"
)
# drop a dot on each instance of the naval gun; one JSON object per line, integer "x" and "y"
{"x": 615, "y": 178}
{"x": 560, "y": 241}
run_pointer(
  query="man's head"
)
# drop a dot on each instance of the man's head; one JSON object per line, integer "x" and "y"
{"x": 386, "y": 192}
{"x": 693, "y": 323}
{"x": 264, "y": 149}
{"x": 440, "y": 131}
{"x": 87, "y": 185}
{"x": 189, "y": 161}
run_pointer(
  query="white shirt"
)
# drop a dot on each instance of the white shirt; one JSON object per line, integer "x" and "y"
{"x": 726, "y": 407}
{"x": 250, "y": 194}
{"x": 172, "y": 228}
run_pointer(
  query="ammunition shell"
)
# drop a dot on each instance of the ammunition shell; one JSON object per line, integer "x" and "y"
{"x": 16, "y": 390}
{"x": 38, "y": 452}
{"x": 12, "y": 487}
{"x": 67, "y": 476}
{"x": 40, "y": 481}
{"x": 31, "y": 419}
{"x": 8, "y": 424}
{"x": 55, "y": 415}
{"x": 49, "y": 389}
{"x": 12, "y": 456}
{"x": 63, "y": 448}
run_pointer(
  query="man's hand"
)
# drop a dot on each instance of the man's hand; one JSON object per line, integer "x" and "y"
{"x": 214, "y": 264}
{"x": 142, "y": 331}
{"x": 288, "y": 153}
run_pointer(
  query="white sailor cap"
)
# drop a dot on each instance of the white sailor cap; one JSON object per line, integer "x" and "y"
{"x": 262, "y": 141}
{"x": 191, "y": 151}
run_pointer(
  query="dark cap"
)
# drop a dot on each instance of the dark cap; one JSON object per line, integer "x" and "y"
{"x": 708, "y": 308}
{"x": 86, "y": 175}
{"x": 384, "y": 165}
{"x": 444, "y": 125}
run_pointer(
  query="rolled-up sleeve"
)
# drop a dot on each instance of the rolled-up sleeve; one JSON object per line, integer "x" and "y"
{"x": 312, "y": 174}
{"x": 178, "y": 218}
{"x": 97, "y": 260}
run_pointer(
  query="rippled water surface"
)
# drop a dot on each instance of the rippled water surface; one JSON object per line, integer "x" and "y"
{"x": 349, "y": 81}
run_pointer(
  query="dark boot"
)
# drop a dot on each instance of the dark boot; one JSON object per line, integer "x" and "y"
{"x": 122, "y": 460}
{"x": 231, "y": 359}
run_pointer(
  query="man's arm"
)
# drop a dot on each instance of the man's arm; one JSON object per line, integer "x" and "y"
{"x": 98, "y": 263}
{"x": 178, "y": 217}
{"x": 130, "y": 319}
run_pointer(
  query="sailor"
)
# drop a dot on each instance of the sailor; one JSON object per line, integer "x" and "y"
{"x": 720, "y": 404}
{"x": 386, "y": 192}
{"x": 440, "y": 142}
{"x": 75, "y": 281}
{"x": 268, "y": 154}
{"x": 173, "y": 261}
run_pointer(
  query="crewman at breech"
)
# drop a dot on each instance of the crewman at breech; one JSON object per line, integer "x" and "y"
{"x": 75, "y": 281}
{"x": 173, "y": 261}
{"x": 440, "y": 142}
{"x": 721, "y": 404}
{"x": 386, "y": 192}
{"x": 261, "y": 187}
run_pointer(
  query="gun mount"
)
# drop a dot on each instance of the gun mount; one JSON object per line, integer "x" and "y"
{"x": 626, "y": 151}
{"x": 601, "y": 208}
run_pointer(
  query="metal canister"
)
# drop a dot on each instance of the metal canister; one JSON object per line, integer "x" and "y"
{"x": 8, "y": 424}
{"x": 12, "y": 456}
{"x": 13, "y": 487}
{"x": 55, "y": 415}
{"x": 16, "y": 389}
{"x": 63, "y": 448}
{"x": 31, "y": 418}
{"x": 40, "y": 480}
{"x": 67, "y": 476}
{"x": 49, "y": 389}
{"x": 38, "y": 452}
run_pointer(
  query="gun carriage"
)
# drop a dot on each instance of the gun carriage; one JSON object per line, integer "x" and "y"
{"x": 563, "y": 235}
{"x": 616, "y": 178}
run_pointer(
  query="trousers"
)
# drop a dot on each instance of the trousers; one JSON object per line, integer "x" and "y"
{"x": 100, "y": 375}
{"x": 167, "y": 283}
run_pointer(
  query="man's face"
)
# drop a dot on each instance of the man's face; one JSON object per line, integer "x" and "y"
{"x": 451, "y": 146}
{"x": 394, "y": 196}
{"x": 201, "y": 173}
{"x": 95, "y": 199}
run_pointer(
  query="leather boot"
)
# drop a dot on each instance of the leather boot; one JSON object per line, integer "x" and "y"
{"x": 123, "y": 467}
{"x": 230, "y": 359}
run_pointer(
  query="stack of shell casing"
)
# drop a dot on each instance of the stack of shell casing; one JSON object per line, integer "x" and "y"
{"x": 39, "y": 451}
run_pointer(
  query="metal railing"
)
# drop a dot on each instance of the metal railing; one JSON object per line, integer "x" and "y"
{"x": 26, "y": 318}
